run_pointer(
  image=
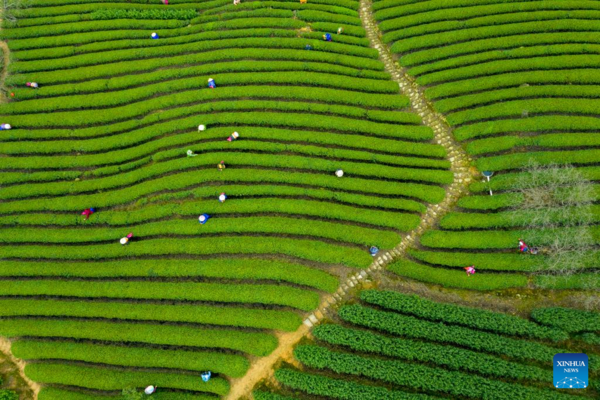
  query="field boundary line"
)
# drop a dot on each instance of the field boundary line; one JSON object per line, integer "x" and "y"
{"x": 5, "y": 61}
{"x": 8, "y": 361}
{"x": 460, "y": 165}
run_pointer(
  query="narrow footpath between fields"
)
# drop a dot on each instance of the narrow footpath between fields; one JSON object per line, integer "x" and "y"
{"x": 5, "y": 62}
{"x": 460, "y": 166}
{"x": 12, "y": 369}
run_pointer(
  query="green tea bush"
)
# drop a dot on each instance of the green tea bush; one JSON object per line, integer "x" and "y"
{"x": 253, "y": 161}
{"x": 53, "y": 393}
{"x": 361, "y": 187}
{"x": 319, "y": 385}
{"x": 228, "y": 364}
{"x": 478, "y": 99}
{"x": 582, "y": 76}
{"x": 460, "y": 315}
{"x": 570, "y": 320}
{"x": 214, "y": 315}
{"x": 525, "y": 28}
{"x": 457, "y": 279}
{"x": 411, "y": 327}
{"x": 483, "y": 261}
{"x": 255, "y": 343}
{"x": 183, "y": 291}
{"x": 144, "y": 14}
{"x": 234, "y": 268}
{"x": 580, "y": 281}
{"x": 298, "y": 248}
{"x": 227, "y": 58}
{"x": 453, "y": 358}
{"x": 514, "y": 109}
{"x": 144, "y": 94}
{"x": 291, "y": 227}
{"x": 111, "y": 379}
{"x": 477, "y": 10}
{"x": 270, "y": 396}
{"x": 500, "y": 46}
{"x": 153, "y": 52}
{"x": 419, "y": 377}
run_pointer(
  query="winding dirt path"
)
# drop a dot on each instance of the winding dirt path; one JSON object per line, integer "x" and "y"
{"x": 263, "y": 367}
{"x": 13, "y": 370}
{"x": 460, "y": 165}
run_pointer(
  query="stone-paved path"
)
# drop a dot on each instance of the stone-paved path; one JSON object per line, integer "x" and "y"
{"x": 460, "y": 166}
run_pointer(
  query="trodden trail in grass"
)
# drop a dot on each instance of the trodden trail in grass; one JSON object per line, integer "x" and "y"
{"x": 263, "y": 367}
{"x": 5, "y": 62}
{"x": 13, "y": 371}
{"x": 463, "y": 176}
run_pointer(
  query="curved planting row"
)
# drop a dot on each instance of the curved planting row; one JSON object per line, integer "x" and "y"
{"x": 114, "y": 125}
{"x": 517, "y": 83}
{"x": 413, "y": 348}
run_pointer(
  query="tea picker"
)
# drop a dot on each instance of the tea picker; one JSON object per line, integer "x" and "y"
{"x": 374, "y": 250}
{"x": 523, "y": 248}
{"x": 234, "y": 136}
{"x": 327, "y": 37}
{"x": 488, "y": 175}
{"x": 125, "y": 240}
{"x": 190, "y": 153}
{"x": 221, "y": 166}
{"x": 5, "y": 127}
{"x": 211, "y": 83}
{"x": 340, "y": 30}
{"x": 150, "y": 389}
{"x": 308, "y": 47}
{"x": 201, "y": 128}
{"x": 87, "y": 212}
{"x": 470, "y": 270}
{"x": 154, "y": 35}
{"x": 339, "y": 173}
{"x": 32, "y": 85}
{"x": 222, "y": 197}
{"x": 203, "y": 218}
{"x": 205, "y": 376}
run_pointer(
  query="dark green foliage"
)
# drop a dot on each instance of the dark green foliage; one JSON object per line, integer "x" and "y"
{"x": 341, "y": 388}
{"x": 459, "y": 315}
{"x": 6, "y": 394}
{"x": 570, "y": 320}
{"x": 453, "y": 358}
{"x": 420, "y": 377}
{"x": 411, "y": 327}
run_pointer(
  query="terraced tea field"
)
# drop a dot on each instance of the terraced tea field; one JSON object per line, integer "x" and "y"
{"x": 238, "y": 164}
{"x": 517, "y": 82}
{"x": 394, "y": 346}
{"x": 109, "y": 128}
